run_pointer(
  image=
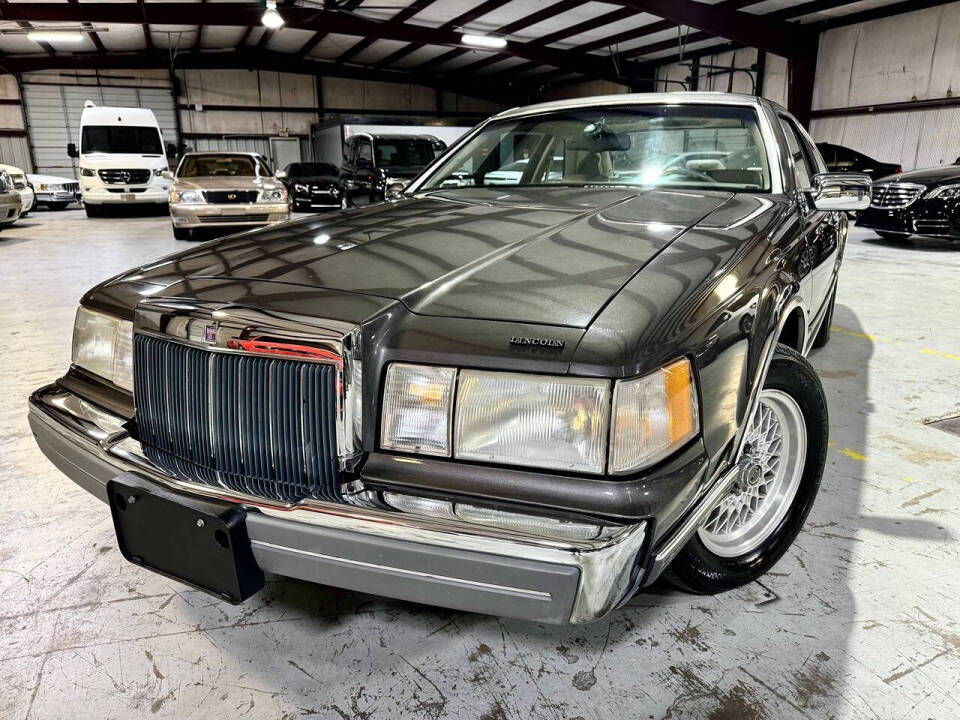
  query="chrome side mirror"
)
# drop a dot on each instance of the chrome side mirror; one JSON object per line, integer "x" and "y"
{"x": 844, "y": 192}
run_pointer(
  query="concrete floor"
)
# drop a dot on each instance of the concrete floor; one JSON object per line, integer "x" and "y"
{"x": 859, "y": 620}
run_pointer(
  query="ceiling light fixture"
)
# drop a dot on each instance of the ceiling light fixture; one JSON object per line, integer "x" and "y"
{"x": 271, "y": 18}
{"x": 55, "y": 36}
{"x": 484, "y": 41}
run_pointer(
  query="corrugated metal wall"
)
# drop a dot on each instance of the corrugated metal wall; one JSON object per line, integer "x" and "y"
{"x": 16, "y": 151}
{"x": 241, "y": 144}
{"x": 54, "y": 110}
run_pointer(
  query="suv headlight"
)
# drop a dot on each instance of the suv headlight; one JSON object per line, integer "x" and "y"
{"x": 274, "y": 195}
{"x": 945, "y": 192}
{"x": 103, "y": 345}
{"x": 299, "y": 187}
{"x": 88, "y": 172}
{"x": 555, "y": 422}
{"x": 186, "y": 197}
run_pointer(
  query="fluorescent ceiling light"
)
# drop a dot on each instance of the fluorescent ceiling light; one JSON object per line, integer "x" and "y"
{"x": 271, "y": 18}
{"x": 484, "y": 41}
{"x": 55, "y": 36}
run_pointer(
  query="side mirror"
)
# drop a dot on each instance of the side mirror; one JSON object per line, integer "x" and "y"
{"x": 280, "y": 174}
{"x": 72, "y": 150}
{"x": 845, "y": 192}
{"x": 167, "y": 175}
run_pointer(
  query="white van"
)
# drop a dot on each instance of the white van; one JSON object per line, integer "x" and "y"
{"x": 122, "y": 158}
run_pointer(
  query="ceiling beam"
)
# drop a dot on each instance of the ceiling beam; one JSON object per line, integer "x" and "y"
{"x": 310, "y": 44}
{"x": 247, "y": 59}
{"x": 879, "y": 13}
{"x": 402, "y": 16}
{"x": 303, "y": 18}
{"x": 517, "y": 25}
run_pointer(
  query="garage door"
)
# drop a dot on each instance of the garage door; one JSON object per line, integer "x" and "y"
{"x": 53, "y": 116}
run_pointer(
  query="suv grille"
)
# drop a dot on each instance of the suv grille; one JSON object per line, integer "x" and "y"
{"x": 895, "y": 195}
{"x": 134, "y": 176}
{"x": 226, "y": 197}
{"x": 256, "y": 425}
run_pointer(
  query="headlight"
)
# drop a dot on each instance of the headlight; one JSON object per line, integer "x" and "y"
{"x": 652, "y": 416}
{"x": 186, "y": 197}
{"x": 157, "y": 172}
{"x": 301, "y": 188}
{"x": 274, "y": 195}
{"x": 103, "y": 344}
{"x": 542, "y": 421}
{"x": 88, "y": 172}
{"x": 416, "y": 409}
{"x": 945, "y": 192}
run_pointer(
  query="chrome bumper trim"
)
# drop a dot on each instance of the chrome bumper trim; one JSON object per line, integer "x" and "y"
{"x": 607, "y": 567}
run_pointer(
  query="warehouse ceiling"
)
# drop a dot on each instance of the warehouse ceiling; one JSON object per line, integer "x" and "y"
{"x": 548, "y": 42}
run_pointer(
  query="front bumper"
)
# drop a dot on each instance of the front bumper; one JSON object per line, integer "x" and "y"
{"x": 934, "y": 218}
{"x": 56, "y": 196}
{"x": 434, "y": 561}
{"x": 315, "y": 200}
{"x": 153, "y": 194}
{"x": 206, "y": 215}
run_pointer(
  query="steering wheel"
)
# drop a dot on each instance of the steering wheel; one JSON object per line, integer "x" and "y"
{"x": 691, "y": 173}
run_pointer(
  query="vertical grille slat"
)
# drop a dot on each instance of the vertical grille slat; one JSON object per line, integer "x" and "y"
{"x": 257, "y": 425}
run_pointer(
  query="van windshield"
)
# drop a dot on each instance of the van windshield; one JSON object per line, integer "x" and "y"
{"x": 121, "y": 139}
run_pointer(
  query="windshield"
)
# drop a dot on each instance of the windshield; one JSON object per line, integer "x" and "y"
{"x": 219, "y": 166}
{"x": 407, "y": 153}
{"x": 313, "y": 170}
{"x": 121, "y": 139}
{"x": 697, "y": 146}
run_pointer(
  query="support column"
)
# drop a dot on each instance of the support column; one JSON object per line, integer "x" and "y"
{"x": 801, "y": 70}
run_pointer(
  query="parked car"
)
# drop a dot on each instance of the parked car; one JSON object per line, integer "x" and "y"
{"x": 312, "y": 186}
{"x": 919, "y": 202}
{"x": 10, "y": 201}
{"x": 225, "y": 189}
{"x": 19, "y": 179}
{"x": 521, "y": 400}
{"x": 122, "y": 158}
{"x": 843, "y": 159}
{"x": 376, "y": 167}
{"x": 53, "y": 191}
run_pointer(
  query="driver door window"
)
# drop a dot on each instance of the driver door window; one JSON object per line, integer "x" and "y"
{"x": 803, "y": 172}
{"x": 364, "y": 154}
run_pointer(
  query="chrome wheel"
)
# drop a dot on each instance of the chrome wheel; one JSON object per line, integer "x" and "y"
{"x": 771, "y": 468}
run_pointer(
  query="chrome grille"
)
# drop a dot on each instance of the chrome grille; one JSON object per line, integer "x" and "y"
{"x": 895, "y": 195}
{"x": 257, "y": 425}
{"x": 233, "y": 218}
{"x": 125, "y": 176}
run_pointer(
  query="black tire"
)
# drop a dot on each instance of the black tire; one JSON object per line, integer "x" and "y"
{"x": 892, "y": 236}
{"x": 57, "y": 205}
{"x": 823, "y": 334}
{"x": 697, "y": 569}
{"x": 93, "y": 211}
{"x": 182, "y": 233}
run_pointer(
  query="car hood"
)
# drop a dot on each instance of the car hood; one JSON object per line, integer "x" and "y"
{"x": 114, "y": 161}
{"x": 231, "y": 182}
{"x": 51, "y": 179}
{"x": 546, "y": 256}
{"x": 927, "y": 176}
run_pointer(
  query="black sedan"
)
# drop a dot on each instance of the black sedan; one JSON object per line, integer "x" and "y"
{"x": 843, "y": 159}
{"x": 526, "y": 397}
{"x": 920, "y": 202}
{"x": 312, "y": 186}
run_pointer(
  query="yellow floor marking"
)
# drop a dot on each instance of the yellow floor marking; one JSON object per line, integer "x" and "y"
{"x": 937, "y": 353}
{"x": 853, "y": 454}
{"x": 857, "y": 334}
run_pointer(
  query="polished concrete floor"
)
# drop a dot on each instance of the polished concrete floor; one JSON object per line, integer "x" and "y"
{"x": 860, "y": 620}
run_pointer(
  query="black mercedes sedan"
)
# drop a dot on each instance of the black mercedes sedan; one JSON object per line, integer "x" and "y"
{"x": 920, "y": 202}
{"x": 529, "y": 397}
{"x": 843, "y": 159}
{"x": 312, "y": 186}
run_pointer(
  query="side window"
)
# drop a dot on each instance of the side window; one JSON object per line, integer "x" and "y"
{"x": 348, "y": 148}
{"x": 802, "y": 167}
{"x": 364, "y": 152}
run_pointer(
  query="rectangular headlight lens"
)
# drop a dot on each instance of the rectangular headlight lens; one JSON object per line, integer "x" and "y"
{"x": 652, "y": 416}
{"x": 536, "y": 420}
{"x": 103, "y": 344}
{"x": 416, "y": 409}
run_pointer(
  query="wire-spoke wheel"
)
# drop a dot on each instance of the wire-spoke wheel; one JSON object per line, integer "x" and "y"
{"x": 774, "y": 453}
{"x": 784, "y": 452}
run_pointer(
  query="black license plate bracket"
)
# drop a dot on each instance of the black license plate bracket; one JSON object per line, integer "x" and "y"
{"x": 200, "y": 542}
